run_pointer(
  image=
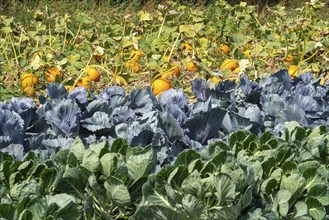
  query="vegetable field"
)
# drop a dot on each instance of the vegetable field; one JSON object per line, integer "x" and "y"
{"x": 168, "y": 111}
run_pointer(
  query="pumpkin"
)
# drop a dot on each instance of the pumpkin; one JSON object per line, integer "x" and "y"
{"x": 237, "y": 70}
{"x": 52, "y": 74}
{"x": 28, "y": 80}
{"x": 191, "y": 67}
{"x": 247, "y": 53}
{"x": 289, "y": 58}
{"x": 93, "y": 74}
{"x": 222, "y": 49}
{"x": 229, "y": 64}
{"x": 84, "y": 81}
{"x": 69, "y": 88}
{"x": 160, "y": 85}
{"x": 29, "y": 91}
{"x": 171, "y": 73}
{"x": 215, "y": 79}
{"x": 187, "y": 47}
{"x": 176, "y": 70}
{"x": 165, "y": 59}
{"x": 293, "y": 70}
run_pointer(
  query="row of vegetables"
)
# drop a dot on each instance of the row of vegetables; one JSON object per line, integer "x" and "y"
{"x": 168, "y": 121}
{"x": 243, "y": 150}
{"x": 244, "y": 177}
{"x": 29, "y": 80}
{"x": 238, "y": 143}
{"x": 161, "y": 82}
{"x": 165, "y": 47}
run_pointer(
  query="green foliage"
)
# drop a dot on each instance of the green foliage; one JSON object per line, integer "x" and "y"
{"x": 101, "y": 181}
{"x": 243, "y": 183}
{"x": 245, "y": 177}
{"x": 50, "y": 33}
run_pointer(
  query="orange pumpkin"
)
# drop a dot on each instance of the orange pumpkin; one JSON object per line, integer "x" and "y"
{"x": 84, "y": 81}
{"x": 222, "y": 49}
{"x": 160, "y": 85}
{"x": 29, "y": 91}
{"x": 191, "y": 67}
{"x": 175, "y": 70}
{"x": 289, "y": 59}
{"x": 293, "y": 70}
{"x": 229, "y": 64}
{"x": 187, "y": 47}
{"x": 215, "y": 79}
{"x": 93, "y": 74}
{"x": 236, "y": 70}
{"x": 171, "y": 73}
{"x": 69, "y": 88}
{"x": 52, "y": 74}
{"x": 28, "y": 80}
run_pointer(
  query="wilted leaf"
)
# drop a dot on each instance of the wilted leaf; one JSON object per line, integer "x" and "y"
{"x": 144, "y": 16}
